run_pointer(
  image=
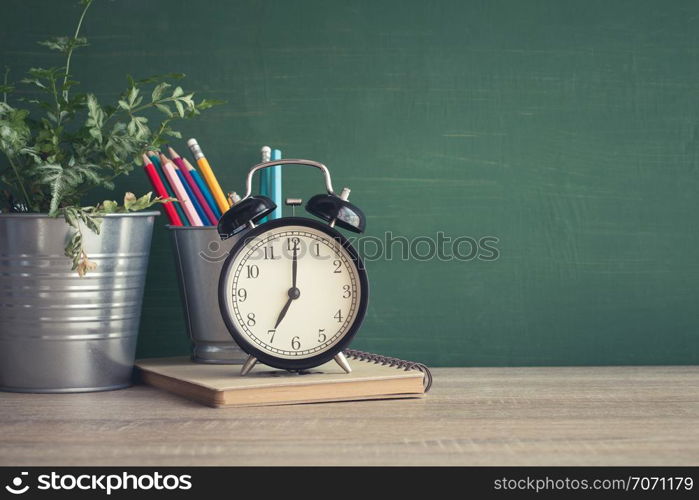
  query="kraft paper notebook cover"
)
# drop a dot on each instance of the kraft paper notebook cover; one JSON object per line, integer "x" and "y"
{"x": 372, "y": 377}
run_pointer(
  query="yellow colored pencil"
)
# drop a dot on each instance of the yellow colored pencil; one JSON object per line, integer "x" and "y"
{"x": 209, "y": 176}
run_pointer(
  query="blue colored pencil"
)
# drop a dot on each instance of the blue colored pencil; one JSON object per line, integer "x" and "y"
{"x": 265, "y": 183}
{"x": 276, "y": 185}
{"x": 205, "y": 191}
{"x": 199, "y": 180}
{"x": 159, "y": 168}
{"x": 193, "y": 198}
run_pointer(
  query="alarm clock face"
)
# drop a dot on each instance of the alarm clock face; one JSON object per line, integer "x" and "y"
{"x": 293, "y": 292}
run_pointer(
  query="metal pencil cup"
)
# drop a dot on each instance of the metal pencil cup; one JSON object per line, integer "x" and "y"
{"x": 199, "y": 257}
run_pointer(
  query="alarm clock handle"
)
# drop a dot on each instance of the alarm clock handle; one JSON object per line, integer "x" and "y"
{"x": 267, "y": 164}
{"x": 333, "y": 208}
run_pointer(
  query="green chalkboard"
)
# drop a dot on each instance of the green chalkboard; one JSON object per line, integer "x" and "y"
{"x": 568, "y": 130}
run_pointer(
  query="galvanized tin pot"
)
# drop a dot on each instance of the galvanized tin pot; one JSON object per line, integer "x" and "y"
{"x": 60, "y": 332}
{"x": 199, "y": 256}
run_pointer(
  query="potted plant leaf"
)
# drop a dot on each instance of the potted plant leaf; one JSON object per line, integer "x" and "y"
{"x": 72, "y": 276}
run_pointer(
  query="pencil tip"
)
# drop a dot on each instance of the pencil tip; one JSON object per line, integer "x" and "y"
{"x": 187, "y": 164}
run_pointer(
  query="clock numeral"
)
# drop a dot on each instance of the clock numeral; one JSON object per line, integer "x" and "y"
{"x": 242, "y": 295}
{"x": 292, "y": 244}
{"x": 273, "y": 333}
{"x": 338, "y": 316}
{"x": 321, "y": 336}
{"x": 347, "y": 293}
{"x": 253, "y": 271}
{"x": 251, "y": 319}
{"x": 295, "y": 344}
{"x": 269, "y": 253}
{"x": 338, "y": 266}
{"x": 317, "y": 249}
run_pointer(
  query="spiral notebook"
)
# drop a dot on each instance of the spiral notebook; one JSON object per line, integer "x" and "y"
{"x": 373, "y": 377}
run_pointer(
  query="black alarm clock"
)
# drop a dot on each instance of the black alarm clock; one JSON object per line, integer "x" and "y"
{"x": 293, "y": 291}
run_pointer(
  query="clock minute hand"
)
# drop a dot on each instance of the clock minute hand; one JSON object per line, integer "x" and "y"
{"x": 294, "y": 265}
{"x": 294, "y": 293}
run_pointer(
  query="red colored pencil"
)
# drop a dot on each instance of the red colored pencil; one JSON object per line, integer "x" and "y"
{"x": 161, "y": 192}
{"x": 213, "y": 220}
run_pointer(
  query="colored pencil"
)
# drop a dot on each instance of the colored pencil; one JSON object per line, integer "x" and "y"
{"x": 208, "y": 175}
{"x": 160, "y": 191}
{"x": 188, "y": 190}
{"x": 203, "y": 188}
{"x": 198, "y": 195}
{"x": 265, "y": 174}
{"x": 275, "y": 185}
{"x": 266, "y": 152}
{"x": 174, "y": 180}
{"x": 170, "y": 192}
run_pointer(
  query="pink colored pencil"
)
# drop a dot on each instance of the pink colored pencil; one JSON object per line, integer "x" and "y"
{"x": 180, "y": 191}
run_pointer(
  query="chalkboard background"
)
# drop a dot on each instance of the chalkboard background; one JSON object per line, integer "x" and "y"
{"x": 565, "y": 129}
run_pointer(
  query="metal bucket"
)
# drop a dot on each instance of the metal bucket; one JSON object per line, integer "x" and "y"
{"x": 199, "y": 256}
{"x": 60, "y": 332}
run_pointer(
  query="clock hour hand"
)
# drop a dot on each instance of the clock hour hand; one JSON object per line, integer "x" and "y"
{"x": 283, "y": 313}
{"x": 294, "y": 293}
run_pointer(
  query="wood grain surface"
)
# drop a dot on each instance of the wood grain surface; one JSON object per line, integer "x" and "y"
{"x": 478, "y": 416}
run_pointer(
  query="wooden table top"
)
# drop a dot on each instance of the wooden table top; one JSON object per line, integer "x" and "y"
{"x": 472, "y": 416}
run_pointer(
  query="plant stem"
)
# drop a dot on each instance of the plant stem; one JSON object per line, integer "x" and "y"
{"x": 163, "y": 124}
{"x": 54, "y": 91}
{"x": 132, "y": 111}
{"x": 19, "y": 181}
{"x": 145, "y": 106}
{"x": 4, "y": 94}
{"x": 70, "y": 50}
{"x": 152, "y": 104}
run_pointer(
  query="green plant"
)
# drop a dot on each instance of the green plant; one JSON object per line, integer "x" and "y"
{"x": 63, "y": 143}
{"x": 91, "y": 217}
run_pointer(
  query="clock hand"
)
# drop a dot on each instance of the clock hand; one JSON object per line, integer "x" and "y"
{"x": 294, "y": 265}
{"x": 283, "y": 313}
{"x": 294, "y": 293}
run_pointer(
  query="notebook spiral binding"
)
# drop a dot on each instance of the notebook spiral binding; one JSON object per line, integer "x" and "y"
{"x": 393, "y": 362}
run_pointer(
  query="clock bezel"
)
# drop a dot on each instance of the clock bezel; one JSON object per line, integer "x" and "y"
{"x": 263, "y": 356}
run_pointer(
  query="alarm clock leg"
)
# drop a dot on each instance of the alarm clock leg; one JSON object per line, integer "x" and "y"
{"x": 247, "y": 366}
{"x": 341, "y": 360}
